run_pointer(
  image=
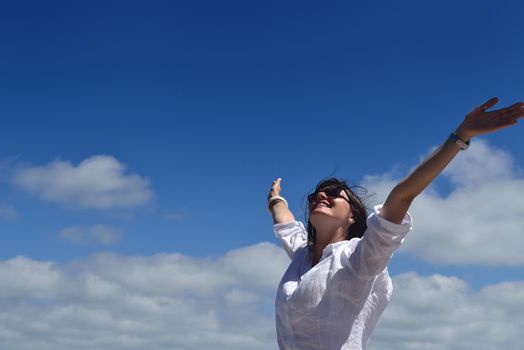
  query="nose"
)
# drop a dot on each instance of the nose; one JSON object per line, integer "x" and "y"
{"x": 321, "y": 195}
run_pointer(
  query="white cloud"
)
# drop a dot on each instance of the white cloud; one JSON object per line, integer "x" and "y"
{"x": 97, "y": 182}
{"x": 480, "y": 165}
{"x": 479, "y": 221}
{"x": 28, "y": 278}
{"x": 165, "y": 301}
{"x": 99, "y": 234}
{"x": 172, "y": 301}
{"x": 441, "y": 313}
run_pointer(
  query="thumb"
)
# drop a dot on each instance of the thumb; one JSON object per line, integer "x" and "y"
{"x": 489, "y": 103}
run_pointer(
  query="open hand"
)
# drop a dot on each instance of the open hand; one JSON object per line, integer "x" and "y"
{"x": 479, "y": 121}
{"x": 275, "y": 189}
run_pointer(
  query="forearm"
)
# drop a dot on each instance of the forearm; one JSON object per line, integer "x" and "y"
{"x": 281, "y": 214}
{"x": 401, "y": 197}
{"x": 427, "y": 171}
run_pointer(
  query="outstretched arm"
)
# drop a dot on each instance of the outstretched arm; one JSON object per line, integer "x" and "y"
{"x": 477, "y": 122}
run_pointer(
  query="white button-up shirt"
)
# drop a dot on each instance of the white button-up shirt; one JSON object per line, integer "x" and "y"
{"x": 335, "y": 304}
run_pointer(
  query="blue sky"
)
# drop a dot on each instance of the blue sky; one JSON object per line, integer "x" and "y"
{"x": 197, "y": 106}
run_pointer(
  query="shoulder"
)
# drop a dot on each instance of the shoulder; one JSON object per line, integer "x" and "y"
{"x": 375, "y": 221}
{"x": 346, "y": 248}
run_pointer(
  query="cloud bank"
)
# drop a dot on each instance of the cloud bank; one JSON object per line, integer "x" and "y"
{"x": 172, "y": 301}
{"x": 443, "y": 313}
{"x": 97, "y": 182}
{"x": 479, "y": 221}
{"x": 165, "y": 301}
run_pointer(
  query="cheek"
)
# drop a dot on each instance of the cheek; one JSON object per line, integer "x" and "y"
{"x": 346, "y": 211}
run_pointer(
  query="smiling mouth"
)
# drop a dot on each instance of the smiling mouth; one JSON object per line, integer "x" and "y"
{"x": 322, "y": 204}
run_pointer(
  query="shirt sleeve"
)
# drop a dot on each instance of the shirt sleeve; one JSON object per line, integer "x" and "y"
{"x": 291, "y": 235}
{"x": 376, "y": 247}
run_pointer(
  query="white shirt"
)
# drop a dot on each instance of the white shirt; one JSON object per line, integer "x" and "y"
{"x": 335, "y": 304}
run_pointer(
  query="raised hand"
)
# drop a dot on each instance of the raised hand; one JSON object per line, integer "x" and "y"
{"x": 278, "y": 207}
{"x": 479, "y": 121}
{"x": 275, "y": 189}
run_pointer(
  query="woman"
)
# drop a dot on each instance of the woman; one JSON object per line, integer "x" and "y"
{"x": 337, "y": 284}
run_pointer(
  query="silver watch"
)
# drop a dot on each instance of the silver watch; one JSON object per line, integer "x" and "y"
{"x": 460, "y": 142}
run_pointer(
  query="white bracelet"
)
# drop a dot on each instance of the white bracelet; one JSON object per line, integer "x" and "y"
{"x": 274, "y": 200}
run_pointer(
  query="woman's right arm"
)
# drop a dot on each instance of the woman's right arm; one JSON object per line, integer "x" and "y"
{"x": 279, "y": 211}
{"x": 288, "y": 231}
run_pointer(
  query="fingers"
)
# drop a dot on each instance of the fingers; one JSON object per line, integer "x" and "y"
{"x": 517, "y": 105}
{"x": 513, "y": 111}
{"x": 276, "y": 184}
{"x": 509, "y": 116}
{"x": 505, "y": 122}
{"x": 275, "y": 188}
{"x": 514, "y": 107}
{"x": 513, "y": 114}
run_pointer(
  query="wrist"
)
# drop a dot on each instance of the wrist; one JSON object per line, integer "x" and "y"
{"x": 463, "y": 144}
{"x": 463, "y": 134}
{"x": 274, "y": 201}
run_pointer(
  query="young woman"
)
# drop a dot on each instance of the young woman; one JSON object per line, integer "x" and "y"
{"x": 337, "y": 284}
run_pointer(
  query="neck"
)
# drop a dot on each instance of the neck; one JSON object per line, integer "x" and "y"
{"x": 324, "y": 238}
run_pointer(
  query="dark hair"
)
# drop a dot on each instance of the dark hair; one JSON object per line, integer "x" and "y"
{"x": 358, "y": 209}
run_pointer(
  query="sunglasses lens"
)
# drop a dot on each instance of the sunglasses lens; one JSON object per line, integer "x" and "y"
{"x": 330, "y": 192}
{"x": 333, "y": 192}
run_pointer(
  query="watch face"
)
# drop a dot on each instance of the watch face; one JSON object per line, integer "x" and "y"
{"x": 463, "y": 145}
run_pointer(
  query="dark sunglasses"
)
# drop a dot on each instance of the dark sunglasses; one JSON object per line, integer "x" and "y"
{"x": 334, "y": 192}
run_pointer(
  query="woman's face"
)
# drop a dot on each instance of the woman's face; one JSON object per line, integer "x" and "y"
{"x": 330, "y": 204}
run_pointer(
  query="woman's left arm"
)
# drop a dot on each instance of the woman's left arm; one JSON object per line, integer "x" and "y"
{"x": 477, "y": 122}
